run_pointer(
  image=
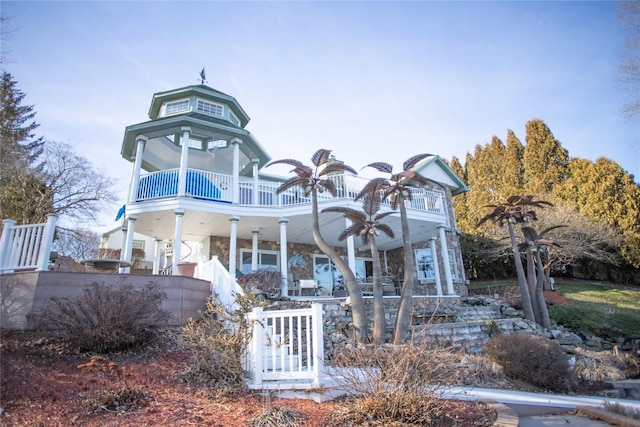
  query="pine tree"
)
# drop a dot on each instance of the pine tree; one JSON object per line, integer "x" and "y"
{"x": 513, "y": 165}
{"x": 545, "y": 161}
{"x": 20, "y": 179}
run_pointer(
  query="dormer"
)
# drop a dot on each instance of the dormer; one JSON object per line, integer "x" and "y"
{"x": 201, "y": 100}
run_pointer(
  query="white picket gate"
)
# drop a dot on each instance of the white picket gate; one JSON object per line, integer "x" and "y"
{"x": 287, "y": 348}
{"x": 26, "y": 247}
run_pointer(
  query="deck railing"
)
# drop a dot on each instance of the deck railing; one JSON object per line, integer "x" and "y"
{"x": 218, "y": 187}
{"x": 222, "y": 284}
{"x": 26, "y": 247}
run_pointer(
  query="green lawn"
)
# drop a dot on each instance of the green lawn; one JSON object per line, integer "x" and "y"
{"x": 606, "y": 310}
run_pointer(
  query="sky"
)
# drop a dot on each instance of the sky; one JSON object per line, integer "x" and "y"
{"x": 372, "y": 81}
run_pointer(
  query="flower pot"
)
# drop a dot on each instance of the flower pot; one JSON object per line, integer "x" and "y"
{"x": 186, "y": 268}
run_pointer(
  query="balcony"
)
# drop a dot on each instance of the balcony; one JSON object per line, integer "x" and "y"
{"x": 218, "y": 188}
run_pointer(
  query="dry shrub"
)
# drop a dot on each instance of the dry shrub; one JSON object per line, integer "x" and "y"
{"x": 105, "y": 318}
{"x": 217, "y": 343}
{"x": 394, "y": 383}
{"x": 278, "y": 417}
{"x": 109, "y": 389}
{"x": 605, "y": 365}
{"x": 532, "y": 359}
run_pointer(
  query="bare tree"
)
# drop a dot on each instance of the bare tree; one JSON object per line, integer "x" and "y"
{"x": 78, "y": 191}
{"x": 79, "y": 244}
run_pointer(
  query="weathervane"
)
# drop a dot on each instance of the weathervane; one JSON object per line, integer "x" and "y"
{"x": 203, "y": 78}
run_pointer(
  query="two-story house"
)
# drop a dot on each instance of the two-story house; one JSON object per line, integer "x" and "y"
{"x": 198, "y": 178}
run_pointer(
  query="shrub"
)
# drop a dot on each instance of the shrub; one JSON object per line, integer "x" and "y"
{"x": 535, "y": 360}
{"x": 105, "y": 318}
{"x": 217, "y": 343}
{"x": 108, "y": 388}
{"x": 394, "y": 384}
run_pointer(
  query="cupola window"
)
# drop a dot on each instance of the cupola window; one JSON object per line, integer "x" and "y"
{"x": 233, "y": 119}
{"x": 209, "y": 108}
{"x": 174, "y": 107}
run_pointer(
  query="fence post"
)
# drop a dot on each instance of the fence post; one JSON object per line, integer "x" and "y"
{"x": 5, "y": 241}
{"x": 47, "y": 242}
{"x": 256, "y": 358}
{"x": 318, "y": 343}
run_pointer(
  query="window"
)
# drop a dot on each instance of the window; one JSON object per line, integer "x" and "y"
{"x": 266, "y": 259}
{"x": 424, "y": 264}
{"x": 174, "y": 107}
{"x": 138, "y": 244}
{"x": 233, "y": 119}
{"x": 425, "y": 267}
{"x": 210, "y": 108}
{"x": 364, "y": 269}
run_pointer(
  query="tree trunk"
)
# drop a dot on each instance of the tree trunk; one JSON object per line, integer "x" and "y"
{"x": 406, "y": 298}
{"x": 379, "y": 325}
{"x": 527, "y": 307}
{"x": 532, "y": 282}
{"x": 545, "y": 321}
{"x": 360, "y": 321}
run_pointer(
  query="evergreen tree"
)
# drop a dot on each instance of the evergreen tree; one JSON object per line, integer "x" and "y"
{"x": 545, "y": 161}
{"x": 20, "y": 178}
{"x": 513, "y": 166}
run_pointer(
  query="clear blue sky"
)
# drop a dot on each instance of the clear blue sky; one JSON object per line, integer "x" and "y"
{"x": 374, "y": 81}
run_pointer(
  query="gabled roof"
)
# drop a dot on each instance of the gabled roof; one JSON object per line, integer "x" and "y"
{"x": 437, "y": 169}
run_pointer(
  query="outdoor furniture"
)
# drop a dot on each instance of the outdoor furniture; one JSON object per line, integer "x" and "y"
{"x": 308, "y": 284}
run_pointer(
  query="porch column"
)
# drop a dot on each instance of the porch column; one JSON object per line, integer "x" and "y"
{"x": 436, "y": 267}
{"x": 141, "y": 140}
{"x": 123, "y": 241}
{"x": 128, "y": 249}
{"x": 233, "y": 244}
{"x": 156, "y": 256}
{"x": 351, "y": 248}
{"x": 236, "y": 170}
{"x": 283, "y": 256}
{"x": 254, "y": 249}
{"x": 256, "y": 186}
{"x": 177, "y": 241}
{"x": 445, "y": 260}
{"x": 184, "y": 159}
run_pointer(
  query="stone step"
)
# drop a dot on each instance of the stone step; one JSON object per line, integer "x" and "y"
{"x": 467, "y": 313}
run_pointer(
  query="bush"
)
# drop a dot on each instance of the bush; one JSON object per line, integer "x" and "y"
{"x": 535, "y": 360}
{"x": 105, "y": 318}
{"x": 218, "y": 342}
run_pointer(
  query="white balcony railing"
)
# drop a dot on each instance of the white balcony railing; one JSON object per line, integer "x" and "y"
{"x": 218, "y": 187}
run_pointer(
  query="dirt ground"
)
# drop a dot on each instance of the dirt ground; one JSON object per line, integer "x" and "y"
{"x": 42, "y": 385}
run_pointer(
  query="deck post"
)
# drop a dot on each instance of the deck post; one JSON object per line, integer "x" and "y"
{"x": 47, "y": 242}
{"x": 318, "y": 343}
{"x": 5, "y": 241}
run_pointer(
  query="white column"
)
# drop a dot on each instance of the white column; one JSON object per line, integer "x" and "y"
{"x": 5, "y": 242}
{"x": 283, "y": 256}
{"x": 254, "y": 249}
{"x": 128, "y": 249}
{"x": 436, "y": 266}
{"x": 351, "y": 248}
{"x": 156, "y": 256}
{"x": 177, "y": 241}
{"x": 236, "y": 170}
{"x": 184, "y": 160}
{"x": 47, "y": 242}
{"x": 445, "y": 260}
{"x": 137, "y": 166}
{"x": 233, "y": 244}
{"x": 256, "y": 184}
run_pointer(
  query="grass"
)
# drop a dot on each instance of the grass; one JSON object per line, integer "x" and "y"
{"x": 607, "y": 310}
